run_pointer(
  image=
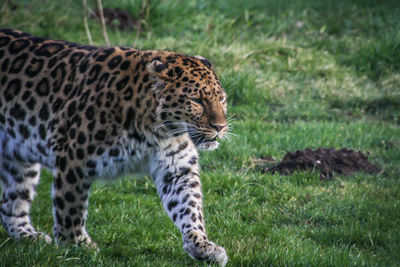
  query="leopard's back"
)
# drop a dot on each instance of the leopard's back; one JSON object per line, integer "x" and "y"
{"x": 35, "y": 74}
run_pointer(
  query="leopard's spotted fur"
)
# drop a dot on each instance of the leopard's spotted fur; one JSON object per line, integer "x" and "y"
{"x": 87, "y": 113}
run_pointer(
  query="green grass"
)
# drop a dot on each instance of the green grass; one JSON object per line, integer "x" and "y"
{"x": 298, "y": 74}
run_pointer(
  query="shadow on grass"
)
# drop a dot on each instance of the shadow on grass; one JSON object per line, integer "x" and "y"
{"x": 386, "y": 107}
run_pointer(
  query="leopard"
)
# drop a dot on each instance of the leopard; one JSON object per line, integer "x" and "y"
{"x": 89, "y": 113}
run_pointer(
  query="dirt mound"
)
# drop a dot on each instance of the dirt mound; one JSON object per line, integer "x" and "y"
{"x": 328, "y": 161}
{"x": 117, "y": 18}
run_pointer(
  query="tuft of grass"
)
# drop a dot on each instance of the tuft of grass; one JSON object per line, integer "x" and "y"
{"x": 298, "y": 74}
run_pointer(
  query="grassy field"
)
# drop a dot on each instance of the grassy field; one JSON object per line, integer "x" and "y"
{"x": 298, "y": 74}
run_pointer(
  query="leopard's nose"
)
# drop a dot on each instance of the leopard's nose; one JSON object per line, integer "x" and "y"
{"x": 218, "y": 127}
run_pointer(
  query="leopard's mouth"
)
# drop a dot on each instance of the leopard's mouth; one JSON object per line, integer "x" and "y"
{"x": 204, "y": 139}
{"x": 202, "y": 142}
{"x": 200, "y": 138}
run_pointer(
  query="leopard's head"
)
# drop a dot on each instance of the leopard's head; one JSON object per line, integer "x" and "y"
{"x": 191, "y": 99}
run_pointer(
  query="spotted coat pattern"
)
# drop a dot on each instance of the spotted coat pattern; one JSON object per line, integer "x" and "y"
{"x": 90, "y": 113}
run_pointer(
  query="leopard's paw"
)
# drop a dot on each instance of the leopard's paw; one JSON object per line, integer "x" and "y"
{"x": 33, "y": 235}
{"x": 43, "y": 236}
{"x": 87, "y": 242}
{"x": 83, "y": 239}
{"x": 207, "y": 251}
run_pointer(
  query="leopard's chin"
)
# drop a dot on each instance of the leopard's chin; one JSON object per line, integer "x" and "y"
{"x": 211, "y": 145}
{"x": 204, "y": 143}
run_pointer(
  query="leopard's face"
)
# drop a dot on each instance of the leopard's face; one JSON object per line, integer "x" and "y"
{"x": 192, "y": 100}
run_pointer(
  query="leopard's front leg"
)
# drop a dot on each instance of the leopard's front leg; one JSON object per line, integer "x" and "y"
{"x": 176, "y": 173}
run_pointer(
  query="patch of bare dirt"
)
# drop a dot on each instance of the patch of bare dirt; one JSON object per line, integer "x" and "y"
{"x": 328, "y": 161}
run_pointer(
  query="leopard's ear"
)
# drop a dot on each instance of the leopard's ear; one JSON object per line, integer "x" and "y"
{"x": 204, "y": 61}
{"x": 159, "y": 69}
